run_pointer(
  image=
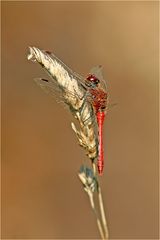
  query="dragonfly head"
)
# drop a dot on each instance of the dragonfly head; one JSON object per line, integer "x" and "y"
{"x": 91, "y": 81}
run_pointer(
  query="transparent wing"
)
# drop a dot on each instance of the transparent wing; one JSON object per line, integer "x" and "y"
{"x": 62, "y": 76}
{"x": 63, "y": 80}
{"x": 51, "y": 88}
{"x": 69, "y": 70}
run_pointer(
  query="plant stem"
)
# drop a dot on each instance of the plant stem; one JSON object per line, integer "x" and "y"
{"x": 104, "y": 232}
{"x": 102, "y": 211}
{"x": 97, "y": 218}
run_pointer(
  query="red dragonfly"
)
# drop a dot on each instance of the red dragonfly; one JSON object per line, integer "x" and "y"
{"x": 92, "y": 86}
{"x": 99, "y": 100}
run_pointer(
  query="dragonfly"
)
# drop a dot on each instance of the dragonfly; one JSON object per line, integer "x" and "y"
{"x": 99, "y": 97}
{"x": 87, "y": 98}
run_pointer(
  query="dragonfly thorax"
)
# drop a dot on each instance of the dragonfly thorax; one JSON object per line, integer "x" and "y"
{"x": 91, "y": 81}
{"x": 99, "y": 99}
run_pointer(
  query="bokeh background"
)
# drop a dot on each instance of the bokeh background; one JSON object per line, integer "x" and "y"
{"x": 42, "y": 197}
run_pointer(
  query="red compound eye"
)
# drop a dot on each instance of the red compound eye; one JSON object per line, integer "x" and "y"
{"x": 92, "y": 79}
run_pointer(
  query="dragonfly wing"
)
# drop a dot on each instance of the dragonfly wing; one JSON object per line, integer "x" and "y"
{"x": 64, "y": 77}
{"x": 97, "y": 71}
{"x": 52, "y": 89}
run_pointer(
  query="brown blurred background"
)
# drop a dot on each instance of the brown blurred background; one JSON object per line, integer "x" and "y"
{"x": 41, "y": 193}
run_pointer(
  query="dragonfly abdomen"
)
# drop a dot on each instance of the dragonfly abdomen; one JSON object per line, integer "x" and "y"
{"x": 100, "y": 162}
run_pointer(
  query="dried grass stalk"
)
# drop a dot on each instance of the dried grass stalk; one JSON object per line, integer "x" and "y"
{"x": 66, "y": 82}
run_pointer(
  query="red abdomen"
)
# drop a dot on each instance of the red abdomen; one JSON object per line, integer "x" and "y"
{"x": 100, "y": 162}
{"x": 99, "y": 103}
